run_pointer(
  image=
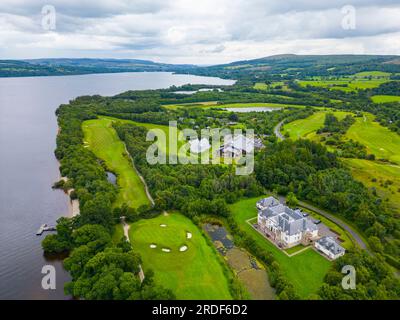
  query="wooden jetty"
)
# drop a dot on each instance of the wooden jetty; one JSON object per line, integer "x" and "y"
{"x": 44, "y": 227}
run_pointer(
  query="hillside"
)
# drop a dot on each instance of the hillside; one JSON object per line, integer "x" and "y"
{"x": 284, "y": 66}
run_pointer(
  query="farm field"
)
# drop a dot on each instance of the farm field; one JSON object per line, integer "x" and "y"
{"x": 305, "y": 270}
{"x": 375, "y": 175}
{"x": 346, "y": 85}
{"x": 372, "y": 74}
{"x": 379, "y": 140}
{"x": 192, "y": 274}
{"x": 103, "y": 141}
{"x": 385, "y": 98}
{"x": 306, "y": 128}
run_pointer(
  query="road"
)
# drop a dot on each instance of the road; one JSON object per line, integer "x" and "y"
{"x": 327, "y": 215}
{"x": 340, "y": 223}
{"x": 277, "y": 131}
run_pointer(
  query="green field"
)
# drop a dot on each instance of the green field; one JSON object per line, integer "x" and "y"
{"x": 305, "y": 270}
{"x": 385, "y": 99}
{"x": 374, "y": 175}
{"x": 192, "y": 274}
{"x": 372, "y": 74}
{"x": 103, "y": 140}
{"x": 379, "y": 140}
{"x": 351, "y": 84}
{"x": 306, "y": 128}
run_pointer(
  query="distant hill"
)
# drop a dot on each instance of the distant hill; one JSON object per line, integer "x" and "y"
{"x": 67, "y": 66}
{"x": 291, "y": 65}
{"x": 284, "y": 66}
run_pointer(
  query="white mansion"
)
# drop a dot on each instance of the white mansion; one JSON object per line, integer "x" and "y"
{"x": 285, "y": 226}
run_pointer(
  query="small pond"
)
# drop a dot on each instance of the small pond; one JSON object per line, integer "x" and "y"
{"x": 111, "y": 177}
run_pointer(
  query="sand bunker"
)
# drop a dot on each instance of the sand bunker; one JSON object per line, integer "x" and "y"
{"x": 166, "y": 250}
{"x": 188, "y": 235}
{"x": 183, "y": 248}
{"x": 153, "y": 246}
{"x": 163, "y": 225}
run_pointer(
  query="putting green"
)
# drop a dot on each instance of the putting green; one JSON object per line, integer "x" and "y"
{"x": 191, "y": 274}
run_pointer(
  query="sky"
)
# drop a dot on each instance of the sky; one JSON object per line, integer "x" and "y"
{"x": 197, "y": 32}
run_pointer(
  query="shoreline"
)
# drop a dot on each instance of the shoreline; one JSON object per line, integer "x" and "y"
{"x": 73, "y": 205}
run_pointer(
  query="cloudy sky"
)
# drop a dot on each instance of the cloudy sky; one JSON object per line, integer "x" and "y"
{"x": 201, "y": 32}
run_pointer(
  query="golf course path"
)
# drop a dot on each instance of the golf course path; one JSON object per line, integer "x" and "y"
{"x": 277, "y": 130}
{"x": 126, "y": 228}
{"x": 342, "y": 224}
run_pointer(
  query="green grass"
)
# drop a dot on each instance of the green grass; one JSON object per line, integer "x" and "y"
{"x": 295, "y": 249}
{"x": 374, "y": 175}
{"x": 306, "y": 128}
{"x": 193, "y": 274}
{"x": 372, "y": 74}
{"x": 385, "y": 99}
{"x": 103, "y": 140}
{"x": 305, "y": 270}
{"x": 379, "y": 140}
{"x": 118, "y": 233}
{"x": 352, "y": 84}
{"x": 260, "y": 86}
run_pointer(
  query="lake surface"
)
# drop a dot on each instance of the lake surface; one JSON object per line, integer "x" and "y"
{"x": 28, "y": 167}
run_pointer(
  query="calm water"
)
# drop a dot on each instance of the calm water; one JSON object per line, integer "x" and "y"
{"x": 28, "y": 167}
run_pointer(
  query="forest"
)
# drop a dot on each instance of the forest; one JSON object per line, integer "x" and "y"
{"x": 104, "y": 268}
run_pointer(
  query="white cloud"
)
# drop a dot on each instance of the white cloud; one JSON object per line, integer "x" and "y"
{"x": 206, "y": 31}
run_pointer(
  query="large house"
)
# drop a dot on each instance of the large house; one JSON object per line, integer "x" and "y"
{"x": 285, "y": 226}
{"x": 199, "y": 146}
{"x": 238, "y": 145}
{"x": 329, "y": 247}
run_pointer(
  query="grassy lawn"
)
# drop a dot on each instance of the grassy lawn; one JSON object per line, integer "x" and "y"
{"x": 305, "y": 270}
{"x": 295, "y": 249}
{"x": 365, "y": 171}
{"x": 351, "y": 84}
{"x": 192, "y": 274}
{"x": 306, "y": 128}
{"x": 385, "y": 98}
{"x": 103, "y": 140}
{"x": 379, "y": 140}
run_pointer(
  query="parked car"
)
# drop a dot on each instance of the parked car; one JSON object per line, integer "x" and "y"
{"x": 317, "y": 221}
{"x": 305, "y": 214}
